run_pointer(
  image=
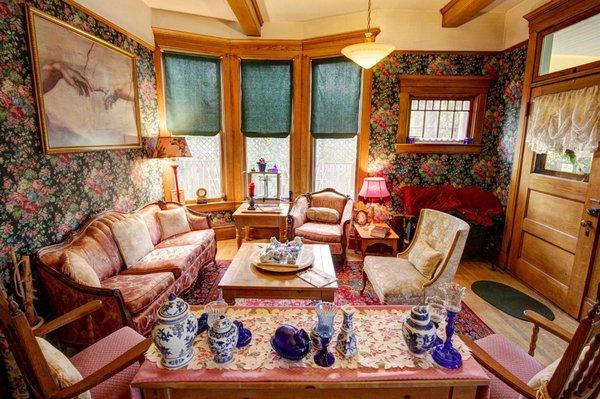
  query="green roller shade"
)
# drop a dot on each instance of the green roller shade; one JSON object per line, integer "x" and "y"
{"x": 266, "y": 98}
{"x": 335, "y": 98}
{"x": 192, "y": 94}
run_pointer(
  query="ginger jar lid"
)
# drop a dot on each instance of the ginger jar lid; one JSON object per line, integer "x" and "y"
{"x": 173, "y": 308}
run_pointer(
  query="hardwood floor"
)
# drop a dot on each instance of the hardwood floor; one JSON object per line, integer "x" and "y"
{"x": 548, "y": 349}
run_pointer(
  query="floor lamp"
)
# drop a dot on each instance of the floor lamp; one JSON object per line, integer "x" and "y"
{"x": 173, "y": 147}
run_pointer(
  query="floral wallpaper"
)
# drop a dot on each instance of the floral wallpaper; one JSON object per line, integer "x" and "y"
{"x": 491, "y": 168}
{"x": 46, "y": 197}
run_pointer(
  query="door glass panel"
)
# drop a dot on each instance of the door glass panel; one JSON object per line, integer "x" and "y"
{"x": 575, "y": 45}
{"x": 569, "y": 165}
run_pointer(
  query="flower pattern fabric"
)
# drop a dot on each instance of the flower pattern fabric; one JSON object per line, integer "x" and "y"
{"x": 378, "y": 331}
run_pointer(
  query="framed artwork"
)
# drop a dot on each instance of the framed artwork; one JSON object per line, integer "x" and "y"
{"x": 361, "y": 218}
{"x": 86, "y": 88}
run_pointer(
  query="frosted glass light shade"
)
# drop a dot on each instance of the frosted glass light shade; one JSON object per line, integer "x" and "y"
{"x": 368, "y": 53}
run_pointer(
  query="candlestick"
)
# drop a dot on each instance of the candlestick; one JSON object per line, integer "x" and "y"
{"x": 251, "y": 189}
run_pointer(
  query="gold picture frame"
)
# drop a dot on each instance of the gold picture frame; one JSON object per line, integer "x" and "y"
{"x": 86, "y": 89}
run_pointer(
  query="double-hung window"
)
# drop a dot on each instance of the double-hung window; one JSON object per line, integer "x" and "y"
{"x": 266, "y": 119}
{"x": 193, "y": 109}
{"x": 335, "y": 114}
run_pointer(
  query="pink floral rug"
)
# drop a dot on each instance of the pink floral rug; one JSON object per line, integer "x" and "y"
{"x": 349, "y": 282}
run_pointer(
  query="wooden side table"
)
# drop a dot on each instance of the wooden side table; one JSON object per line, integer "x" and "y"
{"x": 366, "y": 239}
{"x": 246, "y": 220}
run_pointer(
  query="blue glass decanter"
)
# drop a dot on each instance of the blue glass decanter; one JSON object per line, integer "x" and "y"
{"x": 445, "y": 354}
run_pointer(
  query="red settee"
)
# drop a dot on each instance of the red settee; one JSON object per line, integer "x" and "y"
{"x": 130, "y": 297}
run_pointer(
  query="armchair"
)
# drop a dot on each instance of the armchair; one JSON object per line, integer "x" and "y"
{"x": 575, "y": 375}
{"x": 333, "y": 235}
{"x": 107, "y": 367}
{"x": 397, "y": 281}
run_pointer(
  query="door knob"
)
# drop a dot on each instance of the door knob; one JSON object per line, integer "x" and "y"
{"x": 585, "y": 223}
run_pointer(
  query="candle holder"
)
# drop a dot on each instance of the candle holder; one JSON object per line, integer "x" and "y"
{"x": 445, "y": 354}
{"x": 251, "y": 204}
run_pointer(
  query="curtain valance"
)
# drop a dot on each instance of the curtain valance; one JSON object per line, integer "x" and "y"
{"x": 565, "y": 121}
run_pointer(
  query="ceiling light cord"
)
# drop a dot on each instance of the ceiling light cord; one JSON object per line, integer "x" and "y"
{"x": 369, "y": 17}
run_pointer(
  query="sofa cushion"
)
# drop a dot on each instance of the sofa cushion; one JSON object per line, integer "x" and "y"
{"x": 322, "y": 215}
{"x": 424, "y": 258}
{"x": 133, "y": 238}
{"x": 175, "y": 259}
{"x": 105, "y": 351}
{"x": 201, "y": 238}
{"x": 173, "y": 222}
{"x": 140, "y": 291}
{"x": 198, "y": 222}
{"x": 394, "y": 280}
{"x": 509, "y": 355}
{"x": 148, "y": 213}
{"x": 79, "y": 270}
{"x": 320, "y": 232}
{"x": 63, "y": 372}
{"x": 328, "y": 200}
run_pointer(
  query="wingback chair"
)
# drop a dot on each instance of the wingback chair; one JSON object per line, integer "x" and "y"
{"x": 105, "y": 368}
{"x": 332, "y": 234}
{"x": 398, "y": 281}
{"x": 576, "y": 375}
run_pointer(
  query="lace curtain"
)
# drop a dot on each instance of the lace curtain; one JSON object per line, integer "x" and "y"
{"x": 565, "y": 121}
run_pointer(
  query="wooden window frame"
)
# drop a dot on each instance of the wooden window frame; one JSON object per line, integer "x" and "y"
{"x": 419, "y": 87}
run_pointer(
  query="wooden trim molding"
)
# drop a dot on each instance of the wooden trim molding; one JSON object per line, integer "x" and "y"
{"x": 459, "y": 12}
{"x": 248, "y": 15}
{"x": 474, "y": 88}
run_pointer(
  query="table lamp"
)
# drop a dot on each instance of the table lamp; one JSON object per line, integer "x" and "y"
{"x": 173, "y": 147}
{"x": 373, "y": 188}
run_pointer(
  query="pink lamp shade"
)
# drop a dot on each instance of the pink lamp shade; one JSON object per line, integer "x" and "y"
{"x": 172, "y": 147}
{"x": 374, "y": 187}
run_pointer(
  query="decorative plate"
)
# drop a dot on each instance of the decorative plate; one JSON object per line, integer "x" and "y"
{"x": 361, "y": 218}
{"x": 307, "y": 258}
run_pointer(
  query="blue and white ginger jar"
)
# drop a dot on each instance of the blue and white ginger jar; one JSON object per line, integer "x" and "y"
{"x": 174, "y": 332}
{"x": 222, "y": 339}
{"x": 418, "y": 331}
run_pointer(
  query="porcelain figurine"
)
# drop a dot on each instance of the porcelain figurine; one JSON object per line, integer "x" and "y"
{"x": 324, "y": 327}
{"x": 222, "y": 339}
{"x": 290, "y": 342}
{"x": 174, "y": 332}
{"x": 418, "y": 331}
{"x": 346, "y": 339}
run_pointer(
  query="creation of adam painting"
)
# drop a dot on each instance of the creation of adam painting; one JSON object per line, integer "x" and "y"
{"x": 86, "y": 88}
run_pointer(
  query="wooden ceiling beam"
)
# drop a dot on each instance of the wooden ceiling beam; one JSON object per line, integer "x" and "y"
{"x": 459, "y": 12}
{"x": 248, "y": 15}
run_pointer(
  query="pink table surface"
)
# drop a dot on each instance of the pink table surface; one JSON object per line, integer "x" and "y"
{"x": 150, "y": 373}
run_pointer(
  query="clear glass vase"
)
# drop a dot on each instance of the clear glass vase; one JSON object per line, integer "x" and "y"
{"x": 326, "y": 312}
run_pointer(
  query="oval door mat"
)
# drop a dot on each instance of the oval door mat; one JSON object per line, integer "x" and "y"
{"x": 509, "y": 300}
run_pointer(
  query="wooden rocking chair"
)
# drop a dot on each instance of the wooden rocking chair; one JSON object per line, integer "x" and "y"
{"x": 107, "y": 366}
{"x": 577, "y": 376}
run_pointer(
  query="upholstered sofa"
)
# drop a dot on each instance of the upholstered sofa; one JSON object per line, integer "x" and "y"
{"x": 332, "y": 234}
{"x": 130, "y": 296}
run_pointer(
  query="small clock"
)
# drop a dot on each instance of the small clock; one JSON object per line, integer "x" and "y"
{"x": 361, "y": 218}
{"x": 201, "y": 196}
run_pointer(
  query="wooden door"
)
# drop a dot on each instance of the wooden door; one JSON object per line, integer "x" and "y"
{"x": 554, "y": 235}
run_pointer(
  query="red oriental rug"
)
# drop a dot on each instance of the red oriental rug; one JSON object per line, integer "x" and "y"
{"x": 349, "y": 282}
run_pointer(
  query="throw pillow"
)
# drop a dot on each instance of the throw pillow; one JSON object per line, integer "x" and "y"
{"x": 133, "y": 239}
{"x": 62, "y": 370}
{"x": 78, "y": 269}
{"x": 173, "y": 222}
{"x": 424, "y": 258}
{"x": 322, "y": 215}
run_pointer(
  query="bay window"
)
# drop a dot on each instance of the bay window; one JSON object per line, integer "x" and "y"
{"x": 193, "y": 109}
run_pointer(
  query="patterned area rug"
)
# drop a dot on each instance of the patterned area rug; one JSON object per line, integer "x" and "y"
{"x": 349, "y": 283}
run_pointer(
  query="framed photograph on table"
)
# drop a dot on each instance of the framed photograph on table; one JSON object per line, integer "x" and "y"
{"x": 86, "y": 88}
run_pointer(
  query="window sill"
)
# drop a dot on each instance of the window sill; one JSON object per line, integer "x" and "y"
{"x": 438, "y": 148}
{"x": 214, "y": 206}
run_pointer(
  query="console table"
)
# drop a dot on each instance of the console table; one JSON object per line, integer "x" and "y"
{"x": 245, "y": 220}
{"x": 276, "y": 380}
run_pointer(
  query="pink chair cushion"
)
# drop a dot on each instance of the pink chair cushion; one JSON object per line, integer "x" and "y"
{"x": 513, "y": 358}
{"x": 328, "y": 200}
{"x": 320, "y": 232}
{"x": 102, "y": 353}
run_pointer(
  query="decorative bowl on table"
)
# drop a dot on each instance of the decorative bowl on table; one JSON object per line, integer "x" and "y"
{"x": 290, "y": 342}
{"x": 283, "y": 257}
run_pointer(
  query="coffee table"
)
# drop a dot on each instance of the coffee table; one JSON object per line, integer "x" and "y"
{"x": 242, "y": 280}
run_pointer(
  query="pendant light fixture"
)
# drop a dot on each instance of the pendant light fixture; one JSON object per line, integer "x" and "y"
{"x": 368, "y": 53}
